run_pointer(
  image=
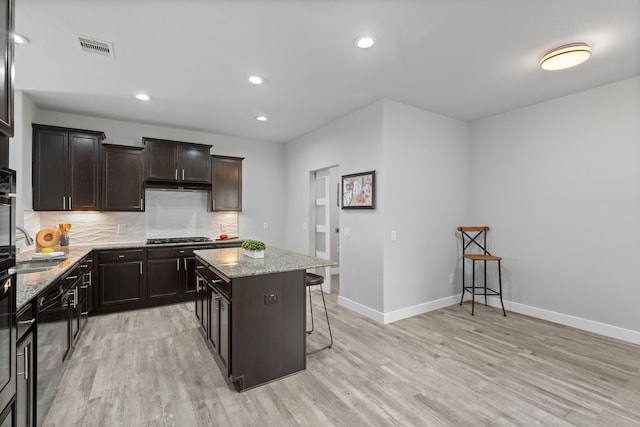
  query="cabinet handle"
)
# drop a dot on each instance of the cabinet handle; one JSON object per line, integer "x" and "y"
{"x": 26, "y": 322}
{"x": 141, "y": 205}
{"x": 120, "y": 256}
{"x": 185, "y": 264}
{"x": 64, "y": 203}
{"x": 25, "y": 354}
{"x": 214, "y": 281}
{"x": 69, "y": 202}
{"x": 177, "y": 265}
{"x": 176, "y": 174}
{"x": 199, "y": 267}
{"x": 72, "y": 277}
{"x": 183, "y": 174}
{"x": 141, "y": 268}
{"x": 213, "y": 204}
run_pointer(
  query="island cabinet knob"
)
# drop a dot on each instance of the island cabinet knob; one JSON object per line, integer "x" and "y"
{"x": 121, "y": 256}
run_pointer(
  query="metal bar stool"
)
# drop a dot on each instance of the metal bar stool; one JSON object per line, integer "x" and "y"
{"x": 313, "y": 279}
{"x": 479, "y": 239}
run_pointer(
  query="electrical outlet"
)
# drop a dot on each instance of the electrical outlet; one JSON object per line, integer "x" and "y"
{"x": 451, "y": 278}
{"x": 394, "y": 235}
{"x": 265, "y": 225}
{"x": 305, "y": 226}
{"x": 271, "y": 298}
{"x": 347, "y": 232}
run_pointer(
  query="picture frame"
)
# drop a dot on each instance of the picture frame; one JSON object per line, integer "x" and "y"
{"x": 358, "y": 190}
{"x": 6, "y": 69}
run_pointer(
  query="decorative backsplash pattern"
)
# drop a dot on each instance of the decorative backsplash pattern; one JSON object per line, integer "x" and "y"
{"x": 168, "y": 214}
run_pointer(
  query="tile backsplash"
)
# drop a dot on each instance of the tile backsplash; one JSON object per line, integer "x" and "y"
{"x": 168, "y": 213}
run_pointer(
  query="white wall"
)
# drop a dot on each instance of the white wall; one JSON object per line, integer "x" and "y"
{"x": 559, "y": 183}
{"x": 426, "y": 181}
{"x": 354, "y": 143}
{"x": 263, "y": 166}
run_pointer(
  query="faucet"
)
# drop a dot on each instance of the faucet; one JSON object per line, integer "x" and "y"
{"x": 27, "y": 238}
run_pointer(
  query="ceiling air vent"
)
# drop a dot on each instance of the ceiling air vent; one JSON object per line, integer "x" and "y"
{"x": 96, "y": 47}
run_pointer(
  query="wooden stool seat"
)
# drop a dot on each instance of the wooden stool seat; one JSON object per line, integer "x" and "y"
{"x": 314, "y": 279}
{"x": 481, "y": 257}
{"x": 477, "y": 236}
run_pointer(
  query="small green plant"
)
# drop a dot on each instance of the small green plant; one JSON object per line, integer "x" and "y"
{"x": 253, "y": 245}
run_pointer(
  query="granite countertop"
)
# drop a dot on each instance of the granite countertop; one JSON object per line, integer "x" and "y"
{"x": 29, "y": 285}
{"x": 232, "y": 262}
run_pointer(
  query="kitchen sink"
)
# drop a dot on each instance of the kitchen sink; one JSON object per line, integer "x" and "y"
{"x": 35, "y": 266}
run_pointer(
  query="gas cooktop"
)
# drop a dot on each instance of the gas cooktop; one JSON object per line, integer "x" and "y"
{"x": 166, "y": 240}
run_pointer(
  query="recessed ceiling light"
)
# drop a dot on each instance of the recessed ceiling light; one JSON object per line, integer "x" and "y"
{"x": 261, "y": 118}
{"x": 20, "y": 39}
{"x": 365, "y": 42}
{"x": 143, "y": 97}
{"x": 256, "y": 80}
{"x": 565, "y": 56}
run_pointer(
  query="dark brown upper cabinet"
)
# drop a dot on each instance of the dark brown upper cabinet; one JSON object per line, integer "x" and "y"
{"x": 122, "y": 178}
{"x": 226, "y": 185}
{"x": 177, "y": 164}
{"x": 66, "y": 169}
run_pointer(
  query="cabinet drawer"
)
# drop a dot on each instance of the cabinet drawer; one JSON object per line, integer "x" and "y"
{"x": 175, "y": 252}
{"x": 119, "y": 256}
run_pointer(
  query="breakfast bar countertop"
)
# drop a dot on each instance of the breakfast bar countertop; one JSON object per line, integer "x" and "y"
{"x": 232, "y": 262}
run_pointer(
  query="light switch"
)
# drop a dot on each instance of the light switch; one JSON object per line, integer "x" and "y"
{"x": 394, "y": 235}
{"x": 305, "y": 226}
{"x": 347, "y": 232}
{"x": 265, "y": 225}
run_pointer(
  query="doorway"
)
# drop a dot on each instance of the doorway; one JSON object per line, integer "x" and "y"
{"x": 324, "y": 233}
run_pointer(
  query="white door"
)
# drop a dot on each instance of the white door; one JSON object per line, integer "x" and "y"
{"x": 323, "y": 226}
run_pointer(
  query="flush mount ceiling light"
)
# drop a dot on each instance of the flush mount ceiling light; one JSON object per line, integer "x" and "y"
{"x": 20, "y": 39}
{"x": 261, "y": 118}
{"x": 365, "y": 42}
{"x": 565, "y": 56}
{"x": 256, "y": 80}
{"x": 143, "y": 97}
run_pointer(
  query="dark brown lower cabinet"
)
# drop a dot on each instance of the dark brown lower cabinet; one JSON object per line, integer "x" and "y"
{"x": 25, "y": 385}
{"x": 120, "y": 284}
{"x": 254, "y": 338}
{"x": 163, "y": 278}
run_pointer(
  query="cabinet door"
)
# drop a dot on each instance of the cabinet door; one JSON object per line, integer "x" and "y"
{"x": 162, "y": 160}
{"x": 226, "y": 192}
{"x": 163, "y": 278}
{"x": 214, "y": 319}
{"x": 196, "y": 164}
{"x": 25, "y": 383}
{"x": 190, "y": 275}
{"x": 225, "y": 318}
{"x": 123, "y": 179}
{"x": 49, "y": 170}
{"x": 120, "y": 284}
{"x": 83, "y": 172}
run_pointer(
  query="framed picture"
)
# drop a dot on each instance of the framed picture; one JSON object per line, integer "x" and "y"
{"x": 6, "y": 69}
{"x": 358, "y": 190}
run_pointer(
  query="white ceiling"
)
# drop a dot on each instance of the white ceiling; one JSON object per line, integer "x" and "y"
{"x": 462, "y": 58}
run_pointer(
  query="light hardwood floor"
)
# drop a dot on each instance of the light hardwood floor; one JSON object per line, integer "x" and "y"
{"x": 443, "y": 368}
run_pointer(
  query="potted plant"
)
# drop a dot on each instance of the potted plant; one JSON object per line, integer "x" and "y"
{"x": 253, "y": 248}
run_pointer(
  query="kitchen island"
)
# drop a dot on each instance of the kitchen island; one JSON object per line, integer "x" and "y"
{"x": 253, "y": 311}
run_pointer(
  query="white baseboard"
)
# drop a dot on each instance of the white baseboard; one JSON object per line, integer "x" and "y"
{"x": 605, "y": 329}
{"x": 611, "y": 331}
{"x": 361, "y": 309}
{"x": 396, "y": 315}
